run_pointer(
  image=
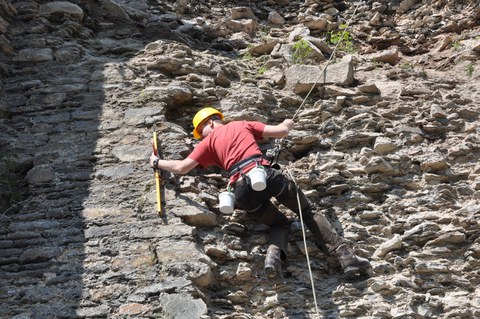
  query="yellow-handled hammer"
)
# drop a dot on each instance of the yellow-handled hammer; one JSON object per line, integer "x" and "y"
{"x": 157, "y": 176}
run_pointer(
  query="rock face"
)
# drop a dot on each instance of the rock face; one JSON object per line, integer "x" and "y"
{"x": 386, "y": 143}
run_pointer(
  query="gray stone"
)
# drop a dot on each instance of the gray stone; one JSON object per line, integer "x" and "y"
{"x": 34, "y": 55}
{"x": 117, "y": 172}
{"x": 275, "y": 18}
{"x": 195, "y": 215}
{"x": 115, "y": 10}
{"x": 249, "y": 26}
{"x": 299, "y": 32}
{"x": 383, "y": 145}
{"x": 40, "y": 174}
{"x": 406, "y": 5}
{"x": 164, "y": 231}
{"x": 433, "y": 162}
{"x": 167, "y": 284}
{"x": 301, "y": 78}
{"x": 316, "y": 23}
{"x": 389, "y": 56}
{"x": 132, "y": 153}
{"x": 92, "y": 312}
{"x": 263, "y": 48}
{"x": 39, "y": 254}
{"x": 394, "y": 243}
{"x": 320, "y": 44}
{"x": 62, "y": 8}
{"x": 182, "y": 306}
{"x": 239, "y": 13}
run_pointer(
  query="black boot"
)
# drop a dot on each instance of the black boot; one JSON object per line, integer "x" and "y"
{"x": 273, "y": 267}
{"x": 352, "y": 265}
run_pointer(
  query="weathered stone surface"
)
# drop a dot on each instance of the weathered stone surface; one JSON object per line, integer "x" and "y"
{"x": 40, "y": 174}
{"x": 195, "y": 216}
{"x": 34, "y": 55}
{"x": 61, "y": 8}
{"x": 275, "y": 18}
{"x": 117, "y": 172}
{"x": 387, "y": 152}
{"x": 183, "y": 306}
{"x": 131, "y": 153}
{"x": 389, "y": 56}
{"x": 162, "y": 231}
{"x": 301, "y": 78}
{"x": 39, "y": 254}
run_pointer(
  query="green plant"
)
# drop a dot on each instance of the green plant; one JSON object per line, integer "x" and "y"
{"x": 301, "y": 52}
{"x": 247, "y": 75}
{"x": 457, "y": 45}
{"x": 469, "y": 68}
{"x": 406, "y": 66}
{"x": 247, "y": 55}
{"x": 262, "y": 70}
{"x": 343, "y": 38}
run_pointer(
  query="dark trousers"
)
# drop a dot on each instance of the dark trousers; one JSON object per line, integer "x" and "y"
{"x": 260, "y": 208}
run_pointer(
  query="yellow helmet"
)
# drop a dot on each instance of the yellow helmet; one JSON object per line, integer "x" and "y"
{"x": 201, "y": 117}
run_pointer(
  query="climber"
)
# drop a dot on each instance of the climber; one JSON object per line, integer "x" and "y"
{"x": 233, "y": 146}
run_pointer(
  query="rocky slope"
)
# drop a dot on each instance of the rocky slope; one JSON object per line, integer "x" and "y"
{"x": 386, "y": 143}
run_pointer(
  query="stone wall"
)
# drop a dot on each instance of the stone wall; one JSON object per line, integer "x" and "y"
{"x": 387, "y": 146}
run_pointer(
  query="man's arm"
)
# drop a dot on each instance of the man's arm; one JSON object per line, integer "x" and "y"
{"x": 175, "y": 166}
{"x": 279, "y": 130}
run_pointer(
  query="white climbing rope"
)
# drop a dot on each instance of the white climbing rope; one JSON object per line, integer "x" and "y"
{"x": 279, "y": 142}
{"x": 290, "y": 174}
{"x": 328, "y": 61}
{"x": 305, "y": 245}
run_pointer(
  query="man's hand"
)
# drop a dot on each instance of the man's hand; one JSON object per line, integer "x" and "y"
{"x": 288, "y": 123}
{"x": 278, "y": 131}
{"x": 153, "y": 159}
{"x": 165, "y": 175}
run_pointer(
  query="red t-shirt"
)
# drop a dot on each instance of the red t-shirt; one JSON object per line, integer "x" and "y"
{"x": 229, "y": 144}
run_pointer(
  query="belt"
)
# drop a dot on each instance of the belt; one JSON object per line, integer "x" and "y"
{"x": 237, "y": 167}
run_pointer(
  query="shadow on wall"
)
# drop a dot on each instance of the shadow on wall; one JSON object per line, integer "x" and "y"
{"x": 49, "y": 120}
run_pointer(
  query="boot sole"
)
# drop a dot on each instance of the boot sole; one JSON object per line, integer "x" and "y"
{"x": 270, "y": 272}
{"x": 352, "y": 273}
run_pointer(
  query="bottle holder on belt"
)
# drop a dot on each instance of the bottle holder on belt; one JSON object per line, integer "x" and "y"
{"x": 256, "y": 177}
{"x": 237, "y": 167}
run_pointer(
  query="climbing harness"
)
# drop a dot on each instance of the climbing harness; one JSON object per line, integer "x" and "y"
{"x": 237, "y": 167}
{"x": 275, "y": 153}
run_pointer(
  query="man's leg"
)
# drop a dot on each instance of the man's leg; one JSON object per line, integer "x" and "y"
{"x": 323, "y": 231}
{"x": 259, "y": 208}
{"x": 278, "y": 237}
{"x": 317, "y": 223}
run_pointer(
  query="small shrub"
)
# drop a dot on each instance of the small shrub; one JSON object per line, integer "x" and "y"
{"x": 406, "y": 66}
{"x": 246, "y": 56}
{"x": 301, "y": 52}
{"x": 469, "y": 69}
{"x": 262, "y": 70}
{"x": 457, "y": 45}
{"x": 343, "y": 37}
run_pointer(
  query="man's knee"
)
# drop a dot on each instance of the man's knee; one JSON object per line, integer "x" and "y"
{"x": 291, "y": 195}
